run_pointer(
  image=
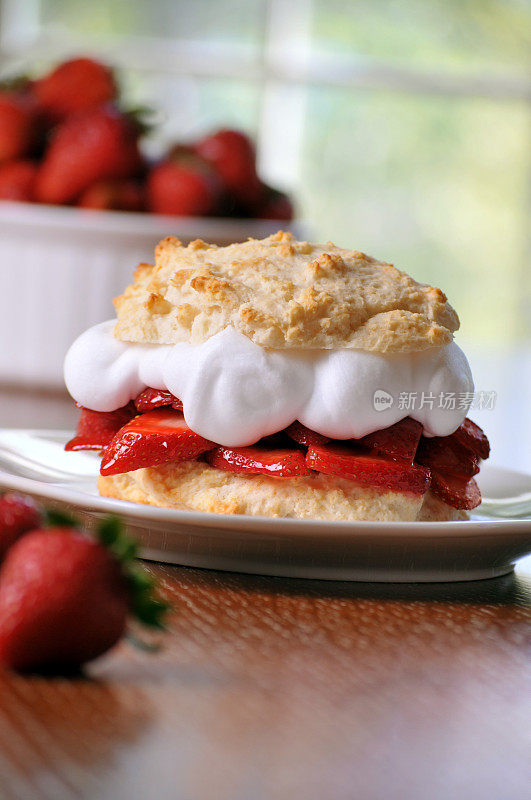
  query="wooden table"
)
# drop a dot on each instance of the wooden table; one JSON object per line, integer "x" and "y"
{"x": 270, "y": 688}
{"x": 283, "y": 689}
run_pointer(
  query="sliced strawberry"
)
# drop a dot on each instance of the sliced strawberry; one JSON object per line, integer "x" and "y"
{"x": 154, "y": 398}
{"x": 95, "y": 429}
{"x": 457, "y": 492}
{"x": 471, "y": 436}
{"x": 398, "y": 441}
{"x": 303, "y": 435}
{"x": 259, "y": 460}
{"x": 347, "y": 461}
{"x": 158, "y": 437}
{"x": 445, "y": 454}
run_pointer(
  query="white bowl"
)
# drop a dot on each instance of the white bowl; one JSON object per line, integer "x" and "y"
{"x": 61, "y": 267}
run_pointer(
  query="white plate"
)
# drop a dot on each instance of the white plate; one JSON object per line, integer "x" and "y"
{"x": 486, "y": 546}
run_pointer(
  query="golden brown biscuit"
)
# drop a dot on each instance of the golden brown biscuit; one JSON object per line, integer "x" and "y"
{"x": 194, "y": 485}
{"x": 282, "y": 293}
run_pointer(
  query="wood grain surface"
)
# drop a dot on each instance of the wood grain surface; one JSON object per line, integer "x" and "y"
{"x": 269, "y": 688}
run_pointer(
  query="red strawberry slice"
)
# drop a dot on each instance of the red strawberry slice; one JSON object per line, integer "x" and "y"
{"x": 95, "y": 429}
{"x": 259, "y": 460}
{"x": 158, "y": 437}
{"x": 445, "y": 454}
{"x": 471, "y": 436}
{"x": 303, "y": 435}
{"x": 375, "y": 471}
{"x": 398, "y": 441}
{"x": 154, "y": 398}
{"x": 458, "y": 492}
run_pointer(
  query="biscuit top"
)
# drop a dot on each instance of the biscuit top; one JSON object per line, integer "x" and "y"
{"x": 281, "y": 293}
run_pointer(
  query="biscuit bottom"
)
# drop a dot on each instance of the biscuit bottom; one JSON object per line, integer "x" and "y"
{"x": 194, "y": 485}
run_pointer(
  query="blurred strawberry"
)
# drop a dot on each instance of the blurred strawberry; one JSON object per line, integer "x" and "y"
{"x": 74, "y": 86}
{"x": 17, "y": 180}
{"x": 65, "y": 598}
{"x": 18, "y": 514}
{"x": 183, "y": 185}
{"x": 233, "y": 155}
{"x": 87, "y": 147}
{"x": 275, "y": 205}
{"x": 18, "y": 125}
{"x": 116, "y": 195}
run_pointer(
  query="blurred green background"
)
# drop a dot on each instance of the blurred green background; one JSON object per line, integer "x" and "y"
{"x": 403, "y": 126}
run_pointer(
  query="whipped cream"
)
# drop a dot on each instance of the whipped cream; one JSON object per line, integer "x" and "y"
{"x": 234, "y": 391}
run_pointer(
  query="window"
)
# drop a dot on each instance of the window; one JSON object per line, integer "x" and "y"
{"x": 401, "y": 125}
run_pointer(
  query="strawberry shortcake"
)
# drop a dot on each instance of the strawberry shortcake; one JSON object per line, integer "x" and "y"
{"x": 279, "y": 378}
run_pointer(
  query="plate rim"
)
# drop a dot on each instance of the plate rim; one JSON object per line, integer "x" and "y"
{"x": 280, "y": 547}
{"x": 260, "y": 524}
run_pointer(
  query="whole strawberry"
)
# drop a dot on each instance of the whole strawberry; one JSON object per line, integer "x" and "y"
{"x": 18, "y": 125}
{"x": 183, "y": 185}
{"x": 113, "y": 195}
{"x": 275, "y": 205}
{"x": 90, "y": 146}
{"x": 18, "y": 514}
{"x": 65, "y": 597}
{"x": 74, "y": 86}
{"x": 17, "y": 180}
{"x": 233, "y": 155}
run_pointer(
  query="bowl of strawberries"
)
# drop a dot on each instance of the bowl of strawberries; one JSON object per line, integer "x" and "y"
{"x": 80, "y": 201}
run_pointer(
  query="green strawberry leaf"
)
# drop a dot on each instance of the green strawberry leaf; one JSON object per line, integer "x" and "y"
{"x": 15, "y": 83}
{"x": 109, "y": 530}
{"x": 60, "y": 519}
{"x": 145, "y": 604}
